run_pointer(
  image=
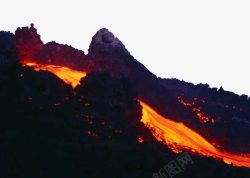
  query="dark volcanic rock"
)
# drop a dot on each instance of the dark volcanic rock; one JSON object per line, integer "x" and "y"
{"x": 105, "y": 43}
{"x": 8, "y": 51}
{"x": 59, "y": 54}
{"x": 231, "y": 113}
{"x": 108, "y": 38}
{"x": 8, "y": 44}
{"x": 28, "y": 42}
{"x": 108, "y": 54}
{"x": 48, "y": 129}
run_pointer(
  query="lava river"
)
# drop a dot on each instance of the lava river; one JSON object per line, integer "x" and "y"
{"x": 70, "y": 76}
{"x": 179, "y": 137}
{"x": 174, "y": 135}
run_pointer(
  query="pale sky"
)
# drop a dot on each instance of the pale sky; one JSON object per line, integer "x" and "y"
{"x": 195, "y": 40}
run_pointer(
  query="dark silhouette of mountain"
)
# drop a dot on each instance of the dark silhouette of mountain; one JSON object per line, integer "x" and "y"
{"x": 107, "y": 54}
{"x": 28, "y": 42}
{"x": 49, "y": 129}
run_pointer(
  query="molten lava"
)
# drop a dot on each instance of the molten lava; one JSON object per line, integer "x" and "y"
{"x": 179, "y": 137}
{"x": 176, "y": 136}
{"x": 69, "y": 76}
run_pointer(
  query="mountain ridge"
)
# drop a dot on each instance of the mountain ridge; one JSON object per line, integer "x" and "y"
{"x": 46, "y": 121}
{"x": 108, "y": 54}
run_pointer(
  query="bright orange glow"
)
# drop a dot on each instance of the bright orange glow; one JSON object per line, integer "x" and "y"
{"x": 179, "y": 137}
{"x": 70, "y": 76}
{"x": 176, "y": 136}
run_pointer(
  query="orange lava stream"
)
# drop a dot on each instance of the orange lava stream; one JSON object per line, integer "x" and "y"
{"x": 70, "y": 76}
{"x": 179, "y": 137}
{"x": 175, "y": 135}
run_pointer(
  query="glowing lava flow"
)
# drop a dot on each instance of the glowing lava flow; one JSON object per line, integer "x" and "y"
{"x": 175, "y": 135}
{"x": 70, "y": 76}
{"x": 179, "y": 137}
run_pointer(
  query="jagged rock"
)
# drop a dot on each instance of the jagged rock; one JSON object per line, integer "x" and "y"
{"x": 105, "y": 43}
{"x": 28, "y": 42}
{"x": 42, "y": 129}
{"x": 108, "y": 38}
{"x": 60, "y": 54}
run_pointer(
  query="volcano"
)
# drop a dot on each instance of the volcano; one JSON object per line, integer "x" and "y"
{"x": 103, "y": 114}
